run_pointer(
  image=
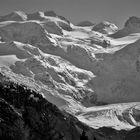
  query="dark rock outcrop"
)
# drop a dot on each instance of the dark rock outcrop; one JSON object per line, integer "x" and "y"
{"x": 134, "y": 134}
{"x": 85, "y": 23}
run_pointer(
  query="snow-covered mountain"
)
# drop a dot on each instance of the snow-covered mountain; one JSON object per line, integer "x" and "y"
{"x": 78, "y": 67}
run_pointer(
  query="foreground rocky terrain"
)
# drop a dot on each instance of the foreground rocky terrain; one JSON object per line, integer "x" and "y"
{"x": 90, "y": 70}
{"x": 27, "y": 115}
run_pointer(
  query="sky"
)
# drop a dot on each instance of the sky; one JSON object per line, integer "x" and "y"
{"x": 115, "y": 11}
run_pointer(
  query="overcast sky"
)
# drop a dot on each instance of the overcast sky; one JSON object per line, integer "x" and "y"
{"x": 116, "y": 11}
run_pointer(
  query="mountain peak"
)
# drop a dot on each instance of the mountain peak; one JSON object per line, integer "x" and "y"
{"x": 53, "y": 14}
{"x": 105, "y": 27}
{"x": 36, "y": 16}
{"x": 85, "y": 23}
{"x": 14, "y": 16}
{"x": 50, "y": 13}
{"x": 132, "y": 21}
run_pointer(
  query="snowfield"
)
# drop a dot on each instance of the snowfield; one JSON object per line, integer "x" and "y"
{"x": 117, "y": 116}
{"x": 89, "y": 70}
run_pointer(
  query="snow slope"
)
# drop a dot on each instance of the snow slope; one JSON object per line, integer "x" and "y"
{"x": 75, "y": 67}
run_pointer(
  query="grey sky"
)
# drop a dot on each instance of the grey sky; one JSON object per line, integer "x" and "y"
{"x": 116, "y": 11}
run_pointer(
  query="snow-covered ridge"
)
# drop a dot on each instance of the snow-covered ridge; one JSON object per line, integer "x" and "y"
{"x": 75, "y": 67}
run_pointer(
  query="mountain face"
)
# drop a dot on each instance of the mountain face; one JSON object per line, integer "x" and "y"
{"x": 90, "y": 71}
{"x": 132, "y": 25}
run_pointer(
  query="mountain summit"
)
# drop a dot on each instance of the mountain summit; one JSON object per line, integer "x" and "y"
{"x": 132, "y": 25}
{"x": 132, "y": 21}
